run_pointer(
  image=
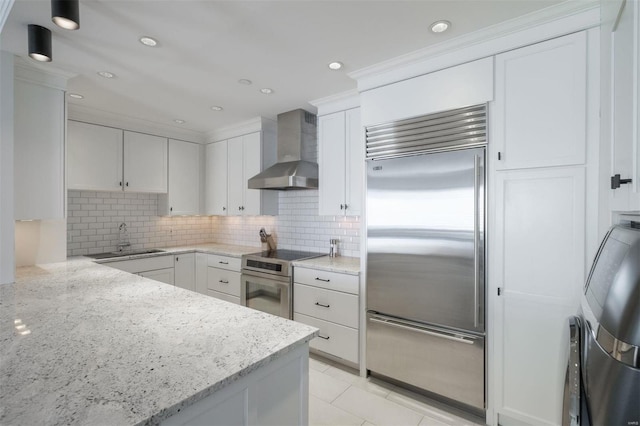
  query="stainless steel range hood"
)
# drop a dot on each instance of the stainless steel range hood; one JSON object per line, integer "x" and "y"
{"x": 297, "y": 150}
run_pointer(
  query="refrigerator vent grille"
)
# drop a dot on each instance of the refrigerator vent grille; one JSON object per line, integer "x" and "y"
{"x": 457, "y": 128}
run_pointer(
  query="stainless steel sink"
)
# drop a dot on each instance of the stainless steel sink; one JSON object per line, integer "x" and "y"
{"x": 123, "y": 253}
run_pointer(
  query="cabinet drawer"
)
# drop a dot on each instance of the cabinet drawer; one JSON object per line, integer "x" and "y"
{"x": 223, "y": 296}
{"x": 140, "y": 265}
{"x": 329, "y": 280}
{"x": 223, "y": 281}
{"x": 224, "y": 262}
{"x": 336, "y": 340}
{"x": 329, "y": 305}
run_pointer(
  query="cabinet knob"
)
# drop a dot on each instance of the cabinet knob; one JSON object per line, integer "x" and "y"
{"x": 323, "y": 337}
{"x": 324, "y": 306}
{"x": 177, "y": 258}
{"x": 346, "y": 206}
{"x": 616, "y": 181}
{"x": 120, "y": 184}
{"x": 341, "y": 206}
{"x": 127, "y": 183}
{"x": 170, "y": 209}
{"x": 499, "y": 155}
{"x": 239, "y": 207}
{"x": 224, "y": 209}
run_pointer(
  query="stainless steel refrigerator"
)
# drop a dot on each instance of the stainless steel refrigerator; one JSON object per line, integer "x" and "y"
{"x": 425, "y": 269}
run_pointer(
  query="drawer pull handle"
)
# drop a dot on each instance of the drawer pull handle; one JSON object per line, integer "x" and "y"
{"x": 320, "y": 279}
{"x": 223, "y": 281}
{"x": 320, "y": 304}
{"x": 223, "y": 263}
{"x": 322, "y": 337}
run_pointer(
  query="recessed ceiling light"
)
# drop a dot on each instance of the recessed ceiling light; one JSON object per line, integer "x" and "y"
{"x": 440, "y": 26}
{"x": 148, "y": 41}
{"x": 76, "y": 96}
{"x": 335, "y": 65}
{"x": 266, "y": 91}
{"x": 245, "y": 81}
{"x": 217, "y": 108}
{"x": 179, "y": 121}
{"x": 106, "y": 74}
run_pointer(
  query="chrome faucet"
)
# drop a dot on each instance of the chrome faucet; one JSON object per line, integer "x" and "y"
{"x": 123, "y": 237}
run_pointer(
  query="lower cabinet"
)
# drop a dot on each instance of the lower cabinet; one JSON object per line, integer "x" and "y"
{"x": 218, "y": 276}
{"x": 330, "y": 302}
{"x": 163, "y": 275}
{"x": 159, "y": 268}
{"x": 185, "y": 270}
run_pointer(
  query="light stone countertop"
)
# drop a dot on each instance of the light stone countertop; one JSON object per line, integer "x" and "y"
{"x": 341, "y": 264}
{"x": 209, "y": 248}
{"x": 83, "y": 343}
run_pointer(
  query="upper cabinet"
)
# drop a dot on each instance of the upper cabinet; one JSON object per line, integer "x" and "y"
{"x": 216, "y": 178}
{"x": 624, "y": 49}
{"x": 106, "y": 159}
{"x": 183, "y": 197}
{"x": 233, "y": 162}
{"x": 540, "y": 104}
{"x": 94, "y": 157}
{"x": 39, "y": 151}
{"x": 341, "y": 163}
{"x": 145, "y": 163}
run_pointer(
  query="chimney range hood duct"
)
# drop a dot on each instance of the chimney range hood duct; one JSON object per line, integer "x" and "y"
{"x": 297, "y": 148}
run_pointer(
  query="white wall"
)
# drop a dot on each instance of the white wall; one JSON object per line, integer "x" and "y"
{"x": 7, "y": 263}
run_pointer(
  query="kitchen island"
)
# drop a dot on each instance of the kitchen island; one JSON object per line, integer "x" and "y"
{"x": 82, "y": 343}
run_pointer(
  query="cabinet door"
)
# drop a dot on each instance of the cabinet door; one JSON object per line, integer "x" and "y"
{"x": 332, "y": 163}
{"x": 235, "y": 176}
{"x": 625, "y": 109}
{"x": 185, "y": 271}
{"x": 216, "y": 178}
{"x": 38, "y": 152}
{"x": 354, "y": 162}
{"x": 201, "y": 272}
{"x": 94, "y": 157}
{"x": 252, "y": 156}
{"x": 540, "y": 104}
{"x": 538, "y": 262}
{"x": 162, "y": 275}
{"x": 145, "y": 163}
{"x": 184, "y": 180}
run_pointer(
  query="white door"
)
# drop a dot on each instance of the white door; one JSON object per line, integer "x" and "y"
{"x": 538, "y": 262}
{"x": 163, "y": 275}
{"x": 145, "y": 163}
{"x": 540, "y": 104}
{"x": 94, "y": 157}
{"x": 185, "y": 271}
{"x": 332, "y": 163}
{"x": 235, "y": 176}
{"x": 184, "y": 178}
{"x": 216, "y": 178}
{"x": 354, "y": 161}
{"x": 252, "y": 156}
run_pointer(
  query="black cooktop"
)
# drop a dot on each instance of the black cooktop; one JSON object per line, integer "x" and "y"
{"x": 286, "y": 254}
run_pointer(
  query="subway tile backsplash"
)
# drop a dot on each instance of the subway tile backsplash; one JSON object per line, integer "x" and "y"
{"x": 94, "y": 217}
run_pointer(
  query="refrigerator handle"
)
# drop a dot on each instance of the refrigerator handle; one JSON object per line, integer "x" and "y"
{"x": 413, "y": 327}
{"x": 476, "y": 239}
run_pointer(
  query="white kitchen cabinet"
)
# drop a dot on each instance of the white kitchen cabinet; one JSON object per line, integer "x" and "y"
{"x": 329, "y": 301}
{"x": 94, "y": 157}
{"x": 538, "y": 264}
{"x": 185, "y": 270}
{"x": 201, "y": 272}
{"x": 341, "y": 163}
{"x": 223, "y": 278}
{"x": 216, "y": 178}
{"x": 145, "y": 163}
{"x": 625, "y": 108}
{"x": 245, "y": 157}
{"x": 183, "y": 196}
{"x": 540, "y": 104}
{"x": 39, "y": 117}
{"x": 106, "y": 159}
{"x": 163, "y": 275}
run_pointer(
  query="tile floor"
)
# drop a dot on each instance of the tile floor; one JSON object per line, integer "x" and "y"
{"x": 338, "y": 396}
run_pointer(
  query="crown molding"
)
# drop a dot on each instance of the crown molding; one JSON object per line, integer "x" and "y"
{"x": 338, "y": 102}
{"x": 250, "y": 126}
{"x": 121, "y": 121}
{"x": 43, "y": 74}
{"x": 5, "y": 9}
{"x": 551, "y": 22}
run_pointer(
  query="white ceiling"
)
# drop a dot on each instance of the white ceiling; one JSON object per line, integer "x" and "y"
{"x": 207, "y": 46}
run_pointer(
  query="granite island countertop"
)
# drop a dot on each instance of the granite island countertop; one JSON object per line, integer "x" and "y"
{"x": 83, "y": 343}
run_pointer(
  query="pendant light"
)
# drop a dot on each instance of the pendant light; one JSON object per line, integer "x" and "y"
{"x": 66, "y": 13}
{"x": 39, "y": 43}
